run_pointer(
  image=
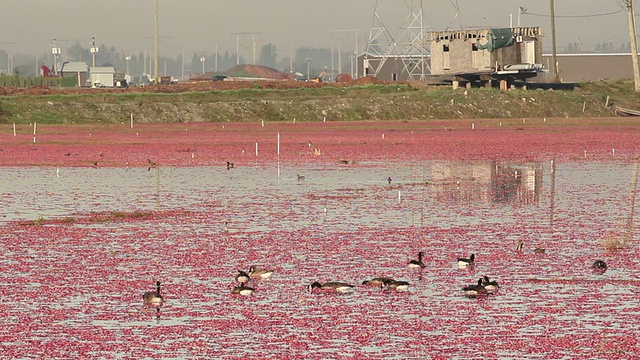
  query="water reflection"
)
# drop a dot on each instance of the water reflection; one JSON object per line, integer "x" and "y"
{"x": 487, "y": 181}
{"x": 339, "y": 223}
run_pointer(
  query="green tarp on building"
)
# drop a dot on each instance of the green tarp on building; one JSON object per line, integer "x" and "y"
{"x": 497, "y": 38}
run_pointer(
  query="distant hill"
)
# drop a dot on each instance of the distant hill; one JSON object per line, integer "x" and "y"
{"x": 258, "y": 71}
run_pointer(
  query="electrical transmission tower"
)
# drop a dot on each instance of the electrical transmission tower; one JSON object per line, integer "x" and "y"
{"x": 408, "y": 45}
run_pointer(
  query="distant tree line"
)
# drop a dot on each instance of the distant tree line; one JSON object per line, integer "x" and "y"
{"x": 305, "y": 58}
{"x": 138, "y": 64}
{"x": 605, "y": 47}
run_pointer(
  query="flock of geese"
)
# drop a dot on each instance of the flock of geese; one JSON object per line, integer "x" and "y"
{"x": 243, "y": 277}
{"x": 484, "y": 286}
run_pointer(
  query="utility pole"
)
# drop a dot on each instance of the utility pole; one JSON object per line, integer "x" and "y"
{"x": 155, "y": 61}
{"x": 520, "y": 11}
{"x": 556, "y": 78}
{"x": 355, "y": 75}
{"x": 634, "y": 46}
{"x": 253, "y": 42}
{"x": 156, "y": 58}
{"x": 253, "y": 38}
{"x": 55, "y": 51}
{"x": 128, "y": 58}
{"x": 339, "y": 35}
{"x": 291, "y": 57}
{"x": 308, "y": 61}
{"x": 10, "y": 57}
{"x": 94, "y": 51}
{"x": 339, "y": 57}
{"x": 144, "y": 61}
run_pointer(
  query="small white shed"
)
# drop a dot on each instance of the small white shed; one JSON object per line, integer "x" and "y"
{"x": 102, "y": 76}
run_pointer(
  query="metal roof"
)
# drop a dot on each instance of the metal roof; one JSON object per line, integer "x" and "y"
{"x": 102, "y": 70}
{"x": 74, "y": 67}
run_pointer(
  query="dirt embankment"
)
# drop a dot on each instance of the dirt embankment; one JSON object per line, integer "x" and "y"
{"x": 211, "y": 101}
{"x": 266, "y": 78}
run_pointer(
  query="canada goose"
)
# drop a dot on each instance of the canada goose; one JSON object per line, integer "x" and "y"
{"x": 396, "y": 285}
{"x": 490, "y": 286}
{"x": 475, "y": 290}
{"x": 259, "y": 273}
{"x": 599, "y": 264}
{"x": 380, "y": 281}
{"x": 229, "y": 165}
{"x": 301, "y": 177}
{"x": 152, "y": 164}
{"x": 520, "y": 246}
{"x": 463, "y": 263}
{"x": 153, "y": 298}
{"x": 539, "y": 251}
{"x": 417, "y": 263}
{"x": 242, "y": 289}
{"x": 389, "y": 180}
{"x": 242, "y": 277}
{"x": 332, "y": 286}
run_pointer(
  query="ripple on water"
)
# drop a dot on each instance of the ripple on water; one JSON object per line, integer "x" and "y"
{"x": 93, "y": 272}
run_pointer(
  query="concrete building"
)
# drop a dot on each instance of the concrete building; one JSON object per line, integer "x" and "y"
{"x": 102, "y": 76}
{"x": 572, "y": 68}
{"x": 77, "y": 70}
{"x": 589, "y": 67}
{"x": 506, "y": 55}
{"x": 484, "y": 50}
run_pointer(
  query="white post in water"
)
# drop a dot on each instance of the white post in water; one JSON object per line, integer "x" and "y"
{"x": 278, "y": 144}
{"x": 57, "y": 172}
{"x": 613, "y": 151}
{"x": 14, "y": 129}
{"x": 383, "y": 136}
{"x": 34, "y": 131}
{"x": 132, "y": 120}
{"x": 585, "y": 154}
{"x": 256, "y": 148}
{"x": 399, "y": 196}
{"x": 278, "y": 171}
{"x": 473, "y": 126}
{"x": 262, "y": 122}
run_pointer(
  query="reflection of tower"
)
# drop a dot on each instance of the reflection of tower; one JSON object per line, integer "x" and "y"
{"x": 408, "y": 48}
{"x": 517, "y": 183}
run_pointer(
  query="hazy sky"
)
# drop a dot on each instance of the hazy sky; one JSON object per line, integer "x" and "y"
{"x": 197, "y": 25}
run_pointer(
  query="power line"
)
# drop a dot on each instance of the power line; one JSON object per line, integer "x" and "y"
{"x": 525, "y": 12}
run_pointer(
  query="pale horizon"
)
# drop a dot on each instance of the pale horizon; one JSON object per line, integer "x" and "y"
{"x": 197, "y": 26}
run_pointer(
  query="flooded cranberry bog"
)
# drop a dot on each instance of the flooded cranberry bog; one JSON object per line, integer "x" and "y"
{"x": 93, "y": 216}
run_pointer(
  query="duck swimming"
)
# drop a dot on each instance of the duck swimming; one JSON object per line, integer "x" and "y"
{"x": 336, "y": 286}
